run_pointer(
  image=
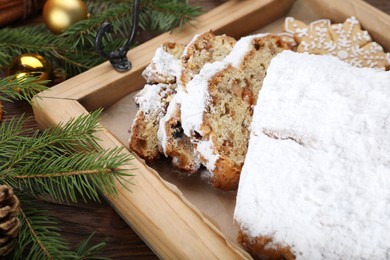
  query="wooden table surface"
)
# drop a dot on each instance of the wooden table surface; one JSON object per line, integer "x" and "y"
{"x": 80, "y": 220}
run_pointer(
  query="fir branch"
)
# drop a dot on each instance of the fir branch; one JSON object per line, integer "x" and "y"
{"x": 68, "y": 153}
{"x": 15, "y": 41}
{"x": 74, "y": 49}
{"x": 38, "y": 237}
{"x": 10, "y": 132}
{"x": 28, "y": 39}
{"x": 87, "y": 252}
{"x": 155, "y": 15}
{"x": 64, "y": 174}
{"x": 79, "y": 174}
{"x": 166, "y": 15}
{"x": 63, "y": 138}
{"x": 22, "y": 88}
{"x": 83, "y": 33}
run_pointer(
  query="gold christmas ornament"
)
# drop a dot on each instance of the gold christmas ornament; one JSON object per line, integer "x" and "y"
{"x": 60, "y": 14}
{"x": 9, "y": 221}
{"x": 29, "y": 64}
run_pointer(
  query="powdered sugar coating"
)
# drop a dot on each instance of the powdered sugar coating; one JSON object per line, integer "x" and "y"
{"x": 175, "y": 102}
{"x": 196, "y": 36}
{"x": 317, "y": 172}
{"x": 162, "y": 136}
{"x": 205, "y": 149}
{"x": 164, "y": 66}
{"x": 170, "y": 113}
{"x": 149, "y": 98}
{"x": 195, "y": 100}
{"x": 241, "y": 48}
{"x": 185, "y": 53}
{"x": 197, "y": 96}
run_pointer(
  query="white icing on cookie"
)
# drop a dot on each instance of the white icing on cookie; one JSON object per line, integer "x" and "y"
{"x": 347, "y": 41}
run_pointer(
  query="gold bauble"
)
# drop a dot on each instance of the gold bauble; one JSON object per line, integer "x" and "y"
{"x": 29, "y": 64}
{"x": 60, "y": 14}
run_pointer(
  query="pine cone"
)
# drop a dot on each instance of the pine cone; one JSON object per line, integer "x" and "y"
{"x": 9, "y": 221}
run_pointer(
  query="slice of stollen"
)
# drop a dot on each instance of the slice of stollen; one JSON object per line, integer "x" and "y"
{"x": 217, "y": 109}
{"x": 161, "y": 76}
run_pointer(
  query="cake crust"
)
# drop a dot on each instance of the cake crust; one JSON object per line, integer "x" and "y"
{"x": 260, "y": 249}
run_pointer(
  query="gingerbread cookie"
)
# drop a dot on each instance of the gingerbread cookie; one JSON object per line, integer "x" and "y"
{"x": 347, "y": 41}
{"x": 288, "y": 38}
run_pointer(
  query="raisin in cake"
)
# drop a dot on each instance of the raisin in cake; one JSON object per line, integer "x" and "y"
{"x": 153, "y": 99}
{"x": 203, "y": 48}
{"x": 217, "y": 108}
{"x": 316, "y": 178}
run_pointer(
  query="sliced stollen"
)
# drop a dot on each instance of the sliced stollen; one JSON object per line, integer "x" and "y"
{"x": 203, "y": 48}
{"x": 316, "y": 179}
{"x": 152, "y": 101}
{"x": 217, "y": 109}
{"x": 161, "y": 75}
{"x": 165, "y": 65}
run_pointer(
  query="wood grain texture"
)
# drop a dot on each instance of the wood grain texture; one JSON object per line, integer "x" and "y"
{"x": 383, "y": 5}
{"x": 17, "y": 10}
{"x": 81, "y": 219}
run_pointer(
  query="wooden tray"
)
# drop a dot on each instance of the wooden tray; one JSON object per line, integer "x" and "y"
{"x": 157, "y": 210}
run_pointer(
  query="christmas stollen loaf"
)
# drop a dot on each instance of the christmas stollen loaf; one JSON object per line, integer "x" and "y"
{"x": 316, "y": 179}
{"x": 193, "y": 113}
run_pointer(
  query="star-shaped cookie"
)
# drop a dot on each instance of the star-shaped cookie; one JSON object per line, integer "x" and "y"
{"x": 347, "y": 41}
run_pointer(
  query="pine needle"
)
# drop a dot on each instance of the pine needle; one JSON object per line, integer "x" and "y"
{"x": 166, "y": 15}
{"x": 28, "y": 39}
{"x": 74, "y": 49}
{"x": 22, "y": 88}
{"x": 63, "y": 162}
{"x": 87, "y": 252}
{"x": 39, "y": 236}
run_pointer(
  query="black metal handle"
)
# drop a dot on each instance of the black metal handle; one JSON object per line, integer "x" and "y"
{"x": 118, "y": 58}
